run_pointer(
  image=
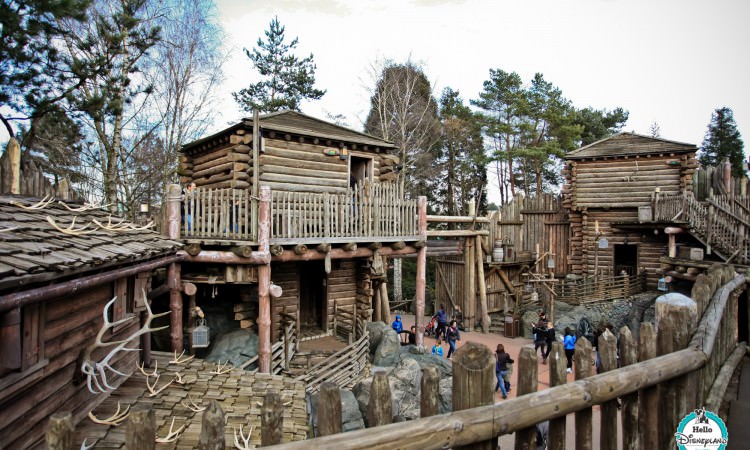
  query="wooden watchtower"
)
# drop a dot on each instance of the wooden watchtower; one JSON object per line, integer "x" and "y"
{"x": 305, "y": 204}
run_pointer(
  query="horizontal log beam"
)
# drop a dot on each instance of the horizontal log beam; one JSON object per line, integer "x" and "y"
{"x": 457, "y": 219}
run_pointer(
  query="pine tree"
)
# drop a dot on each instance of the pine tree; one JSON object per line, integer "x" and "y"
{"x": 287, "y": 79}
{"x": 723, "y": 140}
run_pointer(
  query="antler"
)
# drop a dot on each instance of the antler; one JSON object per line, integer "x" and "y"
{"x": 246, "y": 445}
{"x": 192, "y": 406}
{"x": 5, "y": 230}
{"x": 222, "y": 368}
{"x": 122, "y": 226}
{"x": 96, "y": 372}
{"x": 41, "y": 204}
{"x": 85, "y": 207}
{"x": 115, "y": 419}
{"x": 70, "y": 229}
{"x": 171, "y": 435}
{"x": 151, "y": 387}
{"x": 87, "y": 447}
{"x": 179, "y": 359}
{"x": 178, "y": 379}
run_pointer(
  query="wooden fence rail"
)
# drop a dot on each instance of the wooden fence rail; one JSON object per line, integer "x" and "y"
{"x": 599, "y": 288}
{"x": 342, "y": 368}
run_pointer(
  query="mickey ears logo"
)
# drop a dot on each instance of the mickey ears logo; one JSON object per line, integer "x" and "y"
{"x": 701, "y": 429}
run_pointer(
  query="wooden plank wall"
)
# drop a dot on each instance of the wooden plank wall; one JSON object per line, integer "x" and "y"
{"x": 284, "y": 275}
{"x": 71, "y": 323}
{"x": 228, "y": 165}
{"x": 299, "y": 165}
{"x": 449, "y": 285}
{"x": 342, "y": 288}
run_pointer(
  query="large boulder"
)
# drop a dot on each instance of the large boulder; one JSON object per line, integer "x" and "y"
{"x": 376, "y": 331}
{"x": 387, "y": 351}
{"x": 351, "y": 417}
{"x": 235, "y": 346}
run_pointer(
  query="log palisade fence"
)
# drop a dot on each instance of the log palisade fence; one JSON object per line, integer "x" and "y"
{"x": 663, "y": 377}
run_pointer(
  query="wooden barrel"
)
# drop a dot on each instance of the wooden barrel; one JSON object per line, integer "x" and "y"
{"x": 497, "y": 254}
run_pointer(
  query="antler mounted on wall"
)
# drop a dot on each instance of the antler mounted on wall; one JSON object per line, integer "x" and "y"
{"x": 96, "y": 372}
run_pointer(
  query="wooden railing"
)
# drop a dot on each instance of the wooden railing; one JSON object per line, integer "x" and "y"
{"x": 722, "y": 223}
{"x": 343, "y": 368}
{"x": 598, "y": 288}
{"x": 229, "y": 214}
{"x": 373, "y": 211}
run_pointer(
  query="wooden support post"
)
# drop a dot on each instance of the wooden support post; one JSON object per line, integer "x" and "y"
{"x": 607, "y": 347}
{"x": 469, "y": 301}
{"x": 527, "y": 384}
{"x": 379, "y": 407}
{"x": 264, "y": 283}
{"x": 59, "y": 435}
{"x": 13, "y": 150}
{"x": 421, "y": 274}
{"x": 140, "y": 433}
{"x": 175, "y": 306}
{"x": 648, "y": 399}
{"x": 429, "y": 392}
{"x": 174, "y": 199}
{"x": 385, "y": 307}
{"x": 667, "y": 392}
{"x": 271, "y": 419}
{"x": 212, "y": 428}
{"x": 473, "y": 382}
{"x": 583, "y": 419}
{"x": 557, "y": 377}
{"x": 329, "y": 409}
{"x": 629, "y": 414}
{"x": 482, "y": 286}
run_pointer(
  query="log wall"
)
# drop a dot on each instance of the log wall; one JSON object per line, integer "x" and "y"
{"x": 625, "y": 181}
{"x": 284, "y": 275}
{"x": 228, "y": 163}
{"x": 68, "y": 325}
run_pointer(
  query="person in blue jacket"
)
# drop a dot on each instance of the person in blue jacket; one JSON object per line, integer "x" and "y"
{"x": 569, "y": 342}
{"x": 442, "y": 321}
{"x": 397, "y": 325}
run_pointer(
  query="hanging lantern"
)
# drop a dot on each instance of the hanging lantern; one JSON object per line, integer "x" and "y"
{"x": 201, "y": 335}
{"x": 528, "y": 287}
{"x": 662, "y": 285}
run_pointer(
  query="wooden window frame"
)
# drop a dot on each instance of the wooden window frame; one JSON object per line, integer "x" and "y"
{"x": 27, "y": 335}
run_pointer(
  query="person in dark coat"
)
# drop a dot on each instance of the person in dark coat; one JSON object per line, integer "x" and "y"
{"x": 549, "y": 337}
{"x": 501, "y": 367}
{"x": 442, "y": 321}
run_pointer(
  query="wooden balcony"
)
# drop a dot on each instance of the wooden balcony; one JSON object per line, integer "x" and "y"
{"x": 377, "y": 213}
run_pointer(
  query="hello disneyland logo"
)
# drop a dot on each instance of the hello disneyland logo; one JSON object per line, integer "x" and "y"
{"x": 701, "y": 429}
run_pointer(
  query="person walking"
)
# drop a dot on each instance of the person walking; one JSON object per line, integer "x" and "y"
{"x": 540, "y": 333}
{"x": 453, "y": 335}
{"x": 502, "y": 359}
{"x": 549, "y": 338}
{"x": 442, "y": 320}
{"x": 569, "y": 342}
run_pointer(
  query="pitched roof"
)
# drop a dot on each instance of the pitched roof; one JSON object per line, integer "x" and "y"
{"x": 294, "y": 122}
{"x": 32, "y": 250}
{"x": 630, "y": 144}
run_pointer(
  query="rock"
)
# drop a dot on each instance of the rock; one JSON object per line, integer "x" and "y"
{"x": 388, "y": 349}
{"x": 376, "y": 330}
{"x": 236, "y": 347}
{"x": 351, "y": 417}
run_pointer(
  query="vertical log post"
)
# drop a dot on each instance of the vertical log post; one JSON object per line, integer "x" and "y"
{"x": 212, "y": 428}
{"x": 470, "y": 299}
{"x": 59, "y": 434}
{"x": 557, "y": 377}
{"x": 264, "y": 283}
{"x": 385, "y": 308}
{"x": 667, "y": 393}
{"x": 140, "y": 433}
{"x": 421, "y": 273}
{"x": 473, "y": 382}
{"x": 329, "y": 409}
{"x": 429, "y": 392}
{"x": 271, "y": 419}
{"x": 174, "y": 199}
{"x": 379, "y": 407}
{"x": 685, "y": 322}
{"x": 629, "y": 415}
{"x": 482, "y": 286}
{"x": 175, "y": 306}
{"x": 648, "y": 398}
{"x": 607, "y": 347}
{"x": 527, "y": 383}
{"x": 582, "y": 360}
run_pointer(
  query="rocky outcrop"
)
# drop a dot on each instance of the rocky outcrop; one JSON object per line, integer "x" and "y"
{"x": 235, "y": 346}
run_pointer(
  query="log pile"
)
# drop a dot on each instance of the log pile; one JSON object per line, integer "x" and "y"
{"x": 387, "y": 165}
{"x": 227, "y": 166}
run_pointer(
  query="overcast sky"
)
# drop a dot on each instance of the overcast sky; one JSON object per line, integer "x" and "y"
{"x": 665, "y": 61}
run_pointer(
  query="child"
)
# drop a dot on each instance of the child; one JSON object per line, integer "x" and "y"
{"x": 397, "y": 325}
{"x": 437, "y": 349}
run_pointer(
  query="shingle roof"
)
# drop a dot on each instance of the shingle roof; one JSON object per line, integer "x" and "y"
{"x": 630, "y": 144}
{"x": 294, "y": 122}
{"x": 32, "y": 250}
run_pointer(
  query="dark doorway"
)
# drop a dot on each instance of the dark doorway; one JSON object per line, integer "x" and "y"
{"x": 360, "y": 170}
{"x": 742, "y": 318}
{"x": 313, "y": 306}
{"x": 626, "y": 259}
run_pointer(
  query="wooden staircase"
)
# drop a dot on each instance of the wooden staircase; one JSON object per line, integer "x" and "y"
{"x": 721, "y": 223}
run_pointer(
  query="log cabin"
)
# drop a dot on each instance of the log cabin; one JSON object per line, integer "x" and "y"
{"x": 64, "y": 271}
{"x": 609, "y": 190}
{"x": 288, "y": 223}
